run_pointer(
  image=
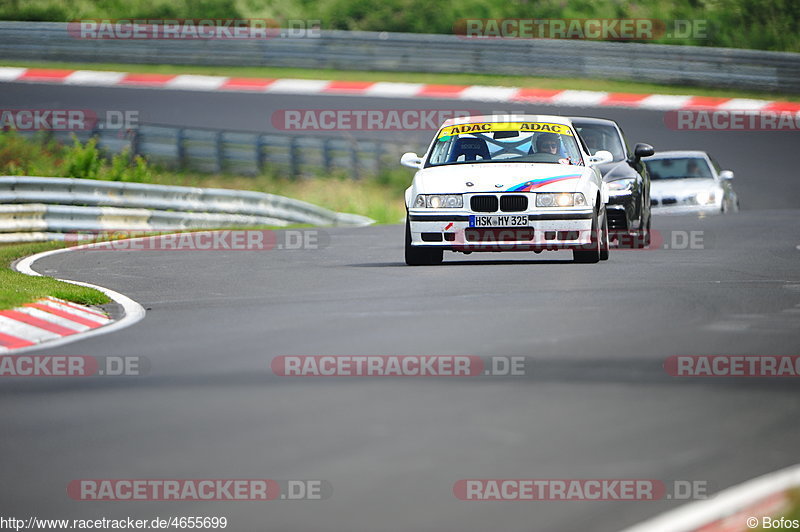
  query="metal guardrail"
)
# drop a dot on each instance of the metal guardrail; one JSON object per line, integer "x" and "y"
{"x": 407, "y": 52}
{"x": 46, "y": 208}
{"x": 245, "y": 153}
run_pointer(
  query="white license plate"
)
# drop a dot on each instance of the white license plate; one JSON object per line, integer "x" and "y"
{"x": 477, "y": 220}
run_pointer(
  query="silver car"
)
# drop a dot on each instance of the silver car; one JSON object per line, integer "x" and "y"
{"x": 689, "y": 181}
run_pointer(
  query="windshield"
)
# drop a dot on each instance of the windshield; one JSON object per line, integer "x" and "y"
{"x": 524, "y": 142}
{"x": 679, "y": 168}
{"x": 599, "y": 137}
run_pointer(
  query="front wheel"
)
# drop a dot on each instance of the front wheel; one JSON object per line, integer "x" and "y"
{"x": 641, "y": 238}
{"x": 417, "y": 256}
{"x": 605, "y": 240}
{"x": 590, "y": 253}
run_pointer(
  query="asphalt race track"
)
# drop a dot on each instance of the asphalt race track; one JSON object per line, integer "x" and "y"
{"x": 595, "y": 401}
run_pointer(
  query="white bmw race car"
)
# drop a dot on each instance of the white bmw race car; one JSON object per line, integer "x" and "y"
{"x": 506, "y": 183}
{"x": 690, "y": 182}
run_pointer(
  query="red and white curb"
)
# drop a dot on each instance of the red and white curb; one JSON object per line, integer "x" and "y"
{"x": 735, "y": 509}
{"x": 52, "y": 322}
{"x": 44, "y": 320}
{"x": 384, "y": 89}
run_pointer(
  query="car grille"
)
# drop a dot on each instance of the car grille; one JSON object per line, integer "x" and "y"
{"x": 483, "y": 203}
{"x": 506, "y": 203}
{"x": 513, "y": 203}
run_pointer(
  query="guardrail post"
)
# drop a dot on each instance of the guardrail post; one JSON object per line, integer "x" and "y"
{"x": 181, "y": 148}
{"x": 378, "y": 155}
{"x": 327, "y": 157}
{"x": 260, "y": 153}
{"x": 134, "y": 144}
{"x": 220, "y": 151}
{"x": 294, "y": 158}
{"x": 354, "y": 158}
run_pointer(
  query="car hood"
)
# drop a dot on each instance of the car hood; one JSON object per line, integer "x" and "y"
{"x": 617, "y": 170}
{"x": 501, "y": 177}
{"x": 680, "y": 188}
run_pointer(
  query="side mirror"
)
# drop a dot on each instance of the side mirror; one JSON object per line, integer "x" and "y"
{"x": 411, "y": 159}
{"x": 642, "y": 150}
{"x": 726, "y": 175}
{"x": 601, "y": 157}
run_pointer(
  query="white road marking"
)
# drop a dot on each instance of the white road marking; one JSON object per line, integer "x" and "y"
{"x": 664, "y": 101}
{"x": 570, "y": 97}
{"x": 394, "y": 90}
{"x": 488, "y": 94}
{"x": 75, "y": 311}
{"x": 52, "y": 318}
{"x": 25, "y": 331}
{"x": 298, "y": 86}
{"x": 197, "y": 83}
{"x": 11, "y": 73}
{"x": 94, "y": 78}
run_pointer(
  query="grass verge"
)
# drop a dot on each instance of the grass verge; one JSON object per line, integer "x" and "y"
{"x": 16, "y": 288}
{"x": 793, "y": 514}
{"x": 415, "y": 77}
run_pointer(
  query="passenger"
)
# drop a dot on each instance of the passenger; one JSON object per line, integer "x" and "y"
{"x": 693, "y": 170}
{"x": 593, "y": 140}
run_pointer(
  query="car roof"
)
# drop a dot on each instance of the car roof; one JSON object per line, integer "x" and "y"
{"x": 677, "y": 154}
{"x": 477, "y": 119}
{"x": 592, "y": 120}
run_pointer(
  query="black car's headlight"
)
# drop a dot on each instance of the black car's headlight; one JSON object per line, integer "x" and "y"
{"x": 621, "y": 185}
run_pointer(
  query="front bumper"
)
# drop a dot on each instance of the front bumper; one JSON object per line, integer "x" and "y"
{"x": 559, "y": 229}
{"x": 621, "y": 211}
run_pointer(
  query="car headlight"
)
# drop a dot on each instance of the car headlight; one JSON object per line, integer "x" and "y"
{"x": 621, "y": 185}
{"x": 560, "y": 199}
{"x": 705, "y": 197}
{"x": 439, "y": 201}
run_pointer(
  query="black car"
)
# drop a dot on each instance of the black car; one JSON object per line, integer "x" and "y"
{"x": 628, "y": 207}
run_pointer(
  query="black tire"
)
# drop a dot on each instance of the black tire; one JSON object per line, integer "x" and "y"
{"x": 605, "y": 240}
{"x": 417, "y": 256}
{"x": 642, "y": 237}
{"x": 589, "y": 253}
